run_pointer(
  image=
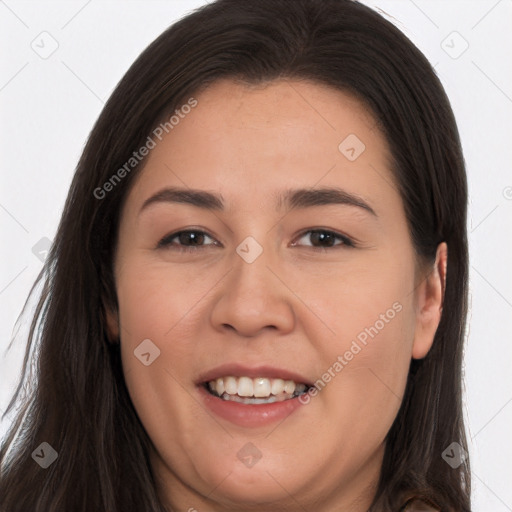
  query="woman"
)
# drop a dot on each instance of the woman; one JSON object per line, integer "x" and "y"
{"x": 243, "y": 307}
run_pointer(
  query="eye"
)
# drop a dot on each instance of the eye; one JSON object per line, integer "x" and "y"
{"x": 193, "y": 239}
{"x": 187, "y": 240}
{"x": 325, "y": 239}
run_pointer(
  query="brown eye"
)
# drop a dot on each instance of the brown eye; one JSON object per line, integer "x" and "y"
{"x": 325, "y": 239}
{"x": 188, "y": 239}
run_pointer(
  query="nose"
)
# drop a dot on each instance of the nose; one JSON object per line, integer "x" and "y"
{"x": 254, "y": 298}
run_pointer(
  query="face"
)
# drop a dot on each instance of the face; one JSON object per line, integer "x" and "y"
{"x": 267, "y": 329}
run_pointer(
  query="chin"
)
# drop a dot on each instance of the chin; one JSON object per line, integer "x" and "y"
{"x": 261, "y": 489}
{"x": 249, "y": 486}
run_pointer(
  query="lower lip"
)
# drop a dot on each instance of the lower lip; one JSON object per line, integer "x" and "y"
{"x": 249, "y": 415}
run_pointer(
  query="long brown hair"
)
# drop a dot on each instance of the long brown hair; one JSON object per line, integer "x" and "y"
{"x": 72, "y": 393}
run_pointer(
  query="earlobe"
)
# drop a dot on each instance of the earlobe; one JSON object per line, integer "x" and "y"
{"x": 430, "y": 296}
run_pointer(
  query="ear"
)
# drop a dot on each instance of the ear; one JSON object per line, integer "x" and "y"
{"x": 112, "y": 319}
{"x": 429, "y": 300}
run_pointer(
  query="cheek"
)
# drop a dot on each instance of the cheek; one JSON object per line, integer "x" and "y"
{"x": 158, "y": 299}
{"x": 366, "y": 361}
{"x": 362, "y": 388}
{"x": 153, "y": 316}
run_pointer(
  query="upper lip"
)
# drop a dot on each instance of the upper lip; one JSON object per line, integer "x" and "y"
{"x": 239, "y": 370}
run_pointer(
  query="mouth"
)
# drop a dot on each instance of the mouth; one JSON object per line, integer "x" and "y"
{"x": 250, "y": 396}
{"x": 255, "y": 391}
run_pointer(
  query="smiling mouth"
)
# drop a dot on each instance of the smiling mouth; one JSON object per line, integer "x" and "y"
{"x": 261, "y": 390}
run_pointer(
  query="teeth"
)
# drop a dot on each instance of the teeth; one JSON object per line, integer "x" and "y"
{"x": 300, "y": 388}
{"x": 289, "y": 386}
{"x": 261, "y": 387}
{"x": 277, "y": 386}
{"x": 219, "y": 386}
{"x": 230, "y": 385}
{"x": 259, "y": 390}
{"x": 245, "y": 386}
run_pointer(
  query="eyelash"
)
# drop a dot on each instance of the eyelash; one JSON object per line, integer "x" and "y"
{"x": 165, "y": 243}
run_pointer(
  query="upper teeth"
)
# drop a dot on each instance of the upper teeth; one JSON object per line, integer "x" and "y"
{"x": 260, "y": 387}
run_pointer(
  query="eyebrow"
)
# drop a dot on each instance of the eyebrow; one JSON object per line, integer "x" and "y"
{"x": 291, "y": 199}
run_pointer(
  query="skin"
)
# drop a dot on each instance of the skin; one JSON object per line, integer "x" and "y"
{"x": 296, "y": 306}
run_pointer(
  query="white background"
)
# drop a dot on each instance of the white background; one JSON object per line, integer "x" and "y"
{"x": 48, "y": 107}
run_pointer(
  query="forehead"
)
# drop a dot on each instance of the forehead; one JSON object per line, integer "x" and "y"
{"x": 270, "y": 136}
{"x": 295, "y": 117}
